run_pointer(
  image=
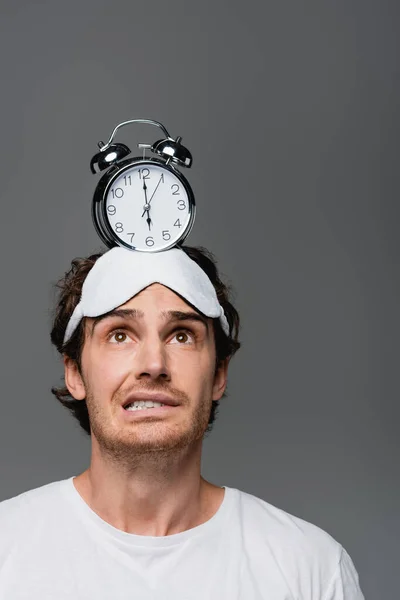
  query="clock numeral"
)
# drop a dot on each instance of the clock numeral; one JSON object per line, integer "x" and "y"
{"x": 181, "y": 205}
{"x": 117, "y": 193}
{"x": 128, "y": 180}
{"x": 144, "y": 173}
{"x": 166, "y": 235}
{"x": 176, "y": 191}
{"x": 119, "y": 227}
{"x": 149, "y": 241}
{"x": 177, "y": 223}
{"x": 131, "y": 234}
{"x": 111, "y": 209}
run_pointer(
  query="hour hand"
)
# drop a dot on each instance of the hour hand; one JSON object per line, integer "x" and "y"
{"x": 146, "y": 207}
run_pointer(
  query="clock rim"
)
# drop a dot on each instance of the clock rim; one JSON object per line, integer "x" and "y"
{"x": 99, "y": 213}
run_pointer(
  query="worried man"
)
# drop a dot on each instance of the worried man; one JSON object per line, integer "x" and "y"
{"x": 146, "y": 341}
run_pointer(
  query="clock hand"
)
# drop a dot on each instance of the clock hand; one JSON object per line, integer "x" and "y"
{"x": 161, "y": 178}
{"x": 146, "y": 206}
{"x": 148, "y": 203}
{"x": 145, "y": 190}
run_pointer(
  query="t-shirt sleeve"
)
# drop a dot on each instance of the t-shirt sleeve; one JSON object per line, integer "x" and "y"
{"x": 344, "y": 584}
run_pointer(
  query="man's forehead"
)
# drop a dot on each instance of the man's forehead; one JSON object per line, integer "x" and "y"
{"x": 160, "y": 302}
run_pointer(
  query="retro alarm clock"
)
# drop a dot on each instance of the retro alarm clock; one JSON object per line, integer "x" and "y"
{"x": 143, "y": 203}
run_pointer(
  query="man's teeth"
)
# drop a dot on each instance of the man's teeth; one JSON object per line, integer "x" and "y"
{"x": 143, "y": 405}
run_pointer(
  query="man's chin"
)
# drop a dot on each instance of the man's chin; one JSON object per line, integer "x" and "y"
{"x": 150, "y": 445}
{"x": 157, "y": 438}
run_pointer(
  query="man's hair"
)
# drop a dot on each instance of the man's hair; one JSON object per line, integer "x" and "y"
{"x": 69, "y": 293}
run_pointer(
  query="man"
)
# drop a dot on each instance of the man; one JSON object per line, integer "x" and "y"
{"x": 146, "y": 342}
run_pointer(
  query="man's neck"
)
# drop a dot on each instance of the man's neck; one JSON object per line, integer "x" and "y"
{"x": 153, "y": 497}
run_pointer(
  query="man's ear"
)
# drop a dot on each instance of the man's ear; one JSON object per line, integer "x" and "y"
{"x": 220, "y": 379}
{"x": 73, "y": 379}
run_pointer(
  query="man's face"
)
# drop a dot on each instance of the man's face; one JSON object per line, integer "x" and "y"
{"x": 153, "y": 343}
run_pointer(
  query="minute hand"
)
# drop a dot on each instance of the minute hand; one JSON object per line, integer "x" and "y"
{"x": 161, "y": 178}
{"x": 154, "y": 192}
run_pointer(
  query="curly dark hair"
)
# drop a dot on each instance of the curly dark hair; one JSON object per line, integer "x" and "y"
{"x": 69, "y": 292}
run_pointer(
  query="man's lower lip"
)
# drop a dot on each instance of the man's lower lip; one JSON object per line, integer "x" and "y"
{"x": 148, "y": 412}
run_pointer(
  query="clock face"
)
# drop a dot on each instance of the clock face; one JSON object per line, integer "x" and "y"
{"x": 148, "y": 207}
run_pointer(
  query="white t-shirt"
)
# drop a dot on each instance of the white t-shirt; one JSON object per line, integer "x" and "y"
{"x": 53, "y": 546}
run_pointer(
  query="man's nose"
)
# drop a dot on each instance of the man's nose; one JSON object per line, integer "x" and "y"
{"x": 151, "y": 360}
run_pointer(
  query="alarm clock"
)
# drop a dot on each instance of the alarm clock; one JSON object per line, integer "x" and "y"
{"x": 143, "y": 203}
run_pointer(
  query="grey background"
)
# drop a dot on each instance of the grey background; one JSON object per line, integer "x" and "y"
{"x": 291, "y": 112}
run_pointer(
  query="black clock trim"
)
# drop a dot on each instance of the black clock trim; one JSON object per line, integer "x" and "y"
{"x": 99, "y": 213}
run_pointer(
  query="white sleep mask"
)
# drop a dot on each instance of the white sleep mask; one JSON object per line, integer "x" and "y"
{"x": 120, "y": 274}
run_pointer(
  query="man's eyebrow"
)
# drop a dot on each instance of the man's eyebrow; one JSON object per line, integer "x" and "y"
{"x": 180, "y": 315}
{"x": 124, "y": 313}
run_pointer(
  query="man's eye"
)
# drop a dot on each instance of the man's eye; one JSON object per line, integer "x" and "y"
{"x": 182, "y": 337}
{"x": 118, "y": 337}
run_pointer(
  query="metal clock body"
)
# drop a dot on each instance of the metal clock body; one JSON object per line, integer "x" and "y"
{"x": 143, "y": 204}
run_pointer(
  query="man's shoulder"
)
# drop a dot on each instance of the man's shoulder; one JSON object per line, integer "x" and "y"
{"x": 290, "y": 537}
{"x": 38, "y": 493}
{"x": 305, "y": 555}
{"x": 23, "y": 509}
{"x": 28, "y": 519}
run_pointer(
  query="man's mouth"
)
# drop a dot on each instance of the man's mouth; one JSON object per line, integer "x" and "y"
{"x": 146, "y": 401}
{"x": 143, "y": 405}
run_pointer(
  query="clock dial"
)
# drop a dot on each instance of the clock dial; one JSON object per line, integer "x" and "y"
{"x": 148, "y": 207}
